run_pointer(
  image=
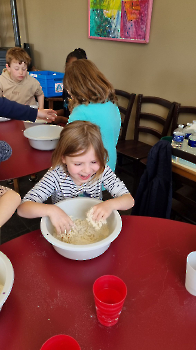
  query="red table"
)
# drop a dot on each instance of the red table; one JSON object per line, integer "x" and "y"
{"x": 24, "y": 160}
{"x": 53, "y": 295}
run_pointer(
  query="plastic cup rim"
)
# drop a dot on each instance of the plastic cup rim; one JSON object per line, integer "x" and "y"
{"x": 60, "y": 335}
{"x": 188, "y": 262}
{"x": 102, "y": 302}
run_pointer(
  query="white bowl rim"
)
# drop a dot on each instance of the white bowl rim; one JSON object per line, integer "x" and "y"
{"x": 81, "y": 247}
{"x": 8, "y": 282}
{"x": 3, "y": 119}
{"x": 26, "y": 131}
{"x": 38, "y": 121}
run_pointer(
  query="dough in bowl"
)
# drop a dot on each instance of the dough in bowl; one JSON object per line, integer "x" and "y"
{"x": 96, "y": 224}
{"x": 85, "y": 231}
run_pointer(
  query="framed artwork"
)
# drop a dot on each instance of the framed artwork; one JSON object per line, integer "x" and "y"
{"x": 120, "y": 20}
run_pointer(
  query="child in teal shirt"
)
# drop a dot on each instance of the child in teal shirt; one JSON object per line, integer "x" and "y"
{"x": 93, "y": 99}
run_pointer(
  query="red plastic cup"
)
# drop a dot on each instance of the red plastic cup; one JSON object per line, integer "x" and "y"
{"x": 61, "y": 342}
{"x": 109, "y": 294}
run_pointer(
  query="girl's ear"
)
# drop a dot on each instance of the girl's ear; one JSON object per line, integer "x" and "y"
{"x": 63, "y": 160}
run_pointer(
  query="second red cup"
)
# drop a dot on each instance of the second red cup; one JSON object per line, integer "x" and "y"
{"x": 61, "y": 342}
{"x": 109, "y": 294}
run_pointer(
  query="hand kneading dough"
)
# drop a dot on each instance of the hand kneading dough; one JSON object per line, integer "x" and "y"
{"x": 96, "y": 224}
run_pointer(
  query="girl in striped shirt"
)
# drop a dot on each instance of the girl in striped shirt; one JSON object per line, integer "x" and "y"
{"x": 78, "y": 169}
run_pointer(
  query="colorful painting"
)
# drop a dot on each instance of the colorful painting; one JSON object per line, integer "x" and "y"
{"x": 120, "y": 20}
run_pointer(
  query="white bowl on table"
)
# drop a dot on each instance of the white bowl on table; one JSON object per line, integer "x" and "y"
{"x": 2, "y": 119}
{"x": 43, "y": 137}
{"x": 6, "y": 278}
{"x": 28, "y": 124}
{"x": 77, "y": 209}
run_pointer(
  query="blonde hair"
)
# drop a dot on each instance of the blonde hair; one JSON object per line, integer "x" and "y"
{"x": 75, "y": 139}
{"x": 85, "y": 83}
{"x": 17, "y": 54}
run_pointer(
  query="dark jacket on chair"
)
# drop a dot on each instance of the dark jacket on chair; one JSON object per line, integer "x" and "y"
{"x": 154, "y": 193}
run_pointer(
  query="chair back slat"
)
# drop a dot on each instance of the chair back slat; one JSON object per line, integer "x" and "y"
{"x": 153, "y": 117}
{"x": 151, "y": 131}
{"x": 156, "y": 100}
{"x": 122, "y": 109}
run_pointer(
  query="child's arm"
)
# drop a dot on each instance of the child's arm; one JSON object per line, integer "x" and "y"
{"x": 60, "y": 112}
{"x": 122, "y": 198}
{"x": 9, "y": 201}
{"x": 40, "y": 99}
{"x": 103, "y": 210}
{"x": 46, "y": 114}
{"x": 59, "y": 219}
{"x": 33, "y": 203}
{"x": 60, "y": 119}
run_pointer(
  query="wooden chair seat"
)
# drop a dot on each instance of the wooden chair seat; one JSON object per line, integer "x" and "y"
{"x": 132, "y": 148}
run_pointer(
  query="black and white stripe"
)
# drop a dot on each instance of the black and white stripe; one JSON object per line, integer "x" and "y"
{"x": 57, "y": 185}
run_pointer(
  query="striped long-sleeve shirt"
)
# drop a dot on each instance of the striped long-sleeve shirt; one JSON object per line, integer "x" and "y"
{"x": 57, "y": 185}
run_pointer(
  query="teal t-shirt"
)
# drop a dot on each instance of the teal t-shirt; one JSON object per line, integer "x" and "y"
{"x": 107, "y": 117}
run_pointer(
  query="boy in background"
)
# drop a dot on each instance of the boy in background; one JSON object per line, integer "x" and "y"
{"x": 15, "y": 82}
{"x": 17, "y": 85}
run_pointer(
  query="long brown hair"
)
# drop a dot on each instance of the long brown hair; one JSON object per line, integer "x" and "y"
{"x": 75, "y": 139}
{"x": 85, "y": 83}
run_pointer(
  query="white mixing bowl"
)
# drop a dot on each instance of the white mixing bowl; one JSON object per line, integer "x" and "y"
{"x": 77, "y": 209}
{"x": 43, "y": 137}
{"x": 29, "y": 124}
{"x": 6, "y": 278}
{"x": 4, "y": 119}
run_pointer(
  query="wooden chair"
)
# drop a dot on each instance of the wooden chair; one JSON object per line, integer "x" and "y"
{"x": 124, "y": 98}
{"x": 51, "y": 101}
{"x": 135, "y": 150}
{"x": 182, "y": 115}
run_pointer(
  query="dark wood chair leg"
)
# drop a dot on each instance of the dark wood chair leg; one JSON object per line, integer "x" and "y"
{"x": 138, "y": 171}
{"x": 16, "y": 185}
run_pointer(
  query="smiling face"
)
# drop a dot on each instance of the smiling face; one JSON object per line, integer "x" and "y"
{"x": 82, "y": 167}
{"x": 17, "y": 71}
